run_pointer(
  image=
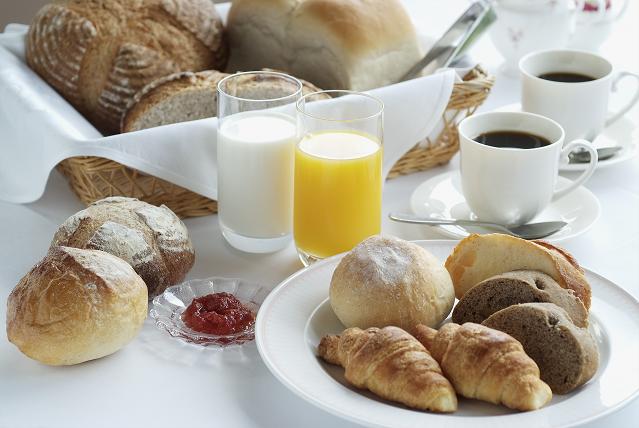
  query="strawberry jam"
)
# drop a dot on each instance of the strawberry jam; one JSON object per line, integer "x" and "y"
{"x": 219, "y": 313}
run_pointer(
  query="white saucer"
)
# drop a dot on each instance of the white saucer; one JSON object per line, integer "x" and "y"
{"x": 441, "y": 196}
{"x": 623, "y": 133}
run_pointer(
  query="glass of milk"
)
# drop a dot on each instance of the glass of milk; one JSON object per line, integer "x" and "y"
{"x": 256, "y": 142}
{"x": 338, "y": 174}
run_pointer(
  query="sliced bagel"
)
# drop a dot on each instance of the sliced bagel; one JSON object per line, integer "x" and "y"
{"x": 479, "y": 257}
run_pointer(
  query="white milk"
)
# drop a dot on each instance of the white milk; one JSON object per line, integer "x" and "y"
{"x": 255, "y": 154}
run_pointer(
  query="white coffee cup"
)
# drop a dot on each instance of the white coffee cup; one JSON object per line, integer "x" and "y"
{"x": 511, "y": 186}
{"x": 580, "y": 108}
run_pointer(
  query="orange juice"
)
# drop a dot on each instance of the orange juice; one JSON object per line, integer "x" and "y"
{"x": 338, "y": 192}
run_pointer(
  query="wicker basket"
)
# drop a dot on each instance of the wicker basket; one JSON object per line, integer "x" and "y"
{"x": 94, "y": 178}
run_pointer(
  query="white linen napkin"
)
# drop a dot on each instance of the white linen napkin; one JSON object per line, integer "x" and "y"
{"x": 38, "y": 129}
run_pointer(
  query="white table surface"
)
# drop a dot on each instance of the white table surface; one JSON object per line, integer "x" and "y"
{"x": 140, "y": 386}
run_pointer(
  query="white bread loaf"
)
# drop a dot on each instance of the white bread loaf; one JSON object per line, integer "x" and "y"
{"x": 336, "y": 44}
{"x": 387, "y": 281}
{"x": 99, "y": 53}
{"x": 181, "y": 97}
{"x": 74, "y": 306}
{"x": 151, "y": 239}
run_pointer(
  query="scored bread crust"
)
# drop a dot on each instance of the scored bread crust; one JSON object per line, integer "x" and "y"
{"x": 76, "y": 305}
{"x": 153, "y": 240}
{"x": 478, "y": 257}
{"x": 99, "y": 53}
{"x": 336, "y": 44}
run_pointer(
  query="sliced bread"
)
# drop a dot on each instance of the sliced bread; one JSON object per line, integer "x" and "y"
{"x": 567, "y": 355}
{"x": 479, "y": 257}
{"x": 186, "y": 96}
{"x": 510, "y": 288}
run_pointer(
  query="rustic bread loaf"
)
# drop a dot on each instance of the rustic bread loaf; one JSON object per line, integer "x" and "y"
{"x": 478, "y": 257}
{"x": 387, "y": 281}
{"x": 510, "y": 288}
{"x": 76, "y": 305}
{"x": 181, "y": 97}
{"x": 151, "y": 239}
{"x": 567, "y": 355}
{"x": 336, "y": 44}
{"x": 99, "y": 53}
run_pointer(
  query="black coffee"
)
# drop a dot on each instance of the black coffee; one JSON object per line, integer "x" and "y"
{"x": 512, "y": 139}
{"x": 566, "y": 77}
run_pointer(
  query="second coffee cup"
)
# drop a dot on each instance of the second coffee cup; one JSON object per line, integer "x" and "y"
{"x": 572, "y": 88}
{"x": 510, "y": 163}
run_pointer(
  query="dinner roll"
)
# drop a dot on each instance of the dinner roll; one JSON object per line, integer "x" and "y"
{"x": 388, "y": 281}
{"x": 74, "y": 306}
{"x": 336, "y": 44}
{"x": 151, "y": 239}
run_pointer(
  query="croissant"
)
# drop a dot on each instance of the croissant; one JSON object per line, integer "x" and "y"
{"x": 392, "y": 364}
{"x": 486, "y": 364}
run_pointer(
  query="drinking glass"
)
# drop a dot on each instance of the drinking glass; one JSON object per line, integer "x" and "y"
{"x": 255, "y": 156}
{"x": 338, "y": 173}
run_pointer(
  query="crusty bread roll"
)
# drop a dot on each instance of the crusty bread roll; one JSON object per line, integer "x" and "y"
{"x": 387, "y": 281}
{"x": 511, "y": 288}
{"x": 181, "y": 97}
{"x": 478, "y": 257}
{"x": 153, "y": 240}
{"x": 336, "y": 44}
{"x": 567, "y": 355}
{"x": 74, "y": 306}
{"x": 99, "y": 53}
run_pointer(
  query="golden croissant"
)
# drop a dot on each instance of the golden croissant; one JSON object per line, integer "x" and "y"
{"x": 393, "y": 365}
{"x": 486, "y": 364}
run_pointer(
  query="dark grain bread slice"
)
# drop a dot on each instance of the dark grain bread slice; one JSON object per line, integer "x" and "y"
{"x": 521, "y": 286}
{"x": 182, "y": 97}
{"x": 567, "y": 355}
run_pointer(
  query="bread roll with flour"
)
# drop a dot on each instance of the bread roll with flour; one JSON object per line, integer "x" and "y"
{"x": 151, "y": 239}
{"x": 386, "y": 281}
{"x": 336, "y": 44}
{"x": 74, "y": 306}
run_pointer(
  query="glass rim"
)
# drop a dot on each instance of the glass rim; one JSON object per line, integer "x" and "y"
{"x": 302, "y": 100}
{"x": 283, "y": 76}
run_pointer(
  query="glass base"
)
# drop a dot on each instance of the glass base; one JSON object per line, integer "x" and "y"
{"x": 255, "y": 245}
{"x": 306, "y": 258}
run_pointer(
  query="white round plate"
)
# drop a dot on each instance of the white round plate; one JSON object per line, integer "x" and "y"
{"x": 441, "y": 196}
{"x": 296, "y": 315}
{"x": 623, "y": 133}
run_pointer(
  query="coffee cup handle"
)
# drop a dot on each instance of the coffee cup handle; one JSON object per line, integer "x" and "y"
{"x": 616, "y": 116}
{"x": 594, "y": 158}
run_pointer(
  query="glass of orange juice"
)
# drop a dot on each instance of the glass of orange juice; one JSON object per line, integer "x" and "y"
{"x": 338, "y": 174}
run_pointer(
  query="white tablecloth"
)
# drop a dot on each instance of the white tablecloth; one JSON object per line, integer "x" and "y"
{"x": 137, "y": 386}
